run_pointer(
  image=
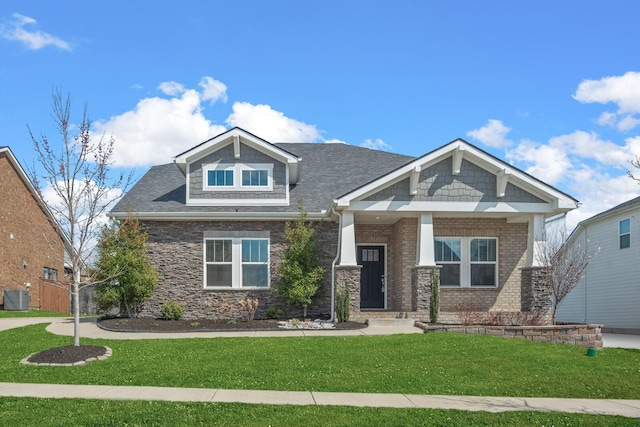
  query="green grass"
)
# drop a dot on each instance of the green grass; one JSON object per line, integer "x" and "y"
{"x": 32, "y": 313}
{"x": 449, "y": 364}
{"x": 72, "y": 412}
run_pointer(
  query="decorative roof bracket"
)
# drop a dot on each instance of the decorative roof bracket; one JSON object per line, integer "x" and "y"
{"x": 236, "y": 146}
{"x": 457, "y": 161}
{"x": 414, "y": 180}
{"x": 502, "y": 179}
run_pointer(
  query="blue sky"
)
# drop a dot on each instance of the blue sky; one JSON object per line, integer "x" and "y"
{"x": 551, "y": 87}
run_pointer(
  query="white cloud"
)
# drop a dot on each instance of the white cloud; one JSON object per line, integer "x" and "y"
{"x": 607, "y": 119}
{"x": 213, "y": 90}
{"x": 623, "y": 90}
{"x": 272, "y": 125}
{"x": 34, "y": 40}
{"x": 545, "y": 162}
{"x": 588, "y": 145}
{"x": 157, "y": 129}
{"x": 492, "y": 134}
{"x": 377, "y": 144}
{"x": 172, "y": 88}
{"x": 334, "y": 141}
{"x": 627, "y": 123}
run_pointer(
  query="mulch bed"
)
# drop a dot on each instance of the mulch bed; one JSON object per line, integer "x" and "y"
{"x": 145, "y": 324}
{"x": 68, "y": 355}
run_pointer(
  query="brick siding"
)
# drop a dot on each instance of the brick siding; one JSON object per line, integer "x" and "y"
{"x": 26, "y": 235}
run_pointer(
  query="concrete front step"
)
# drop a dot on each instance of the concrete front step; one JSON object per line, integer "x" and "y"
{"x": 390, "y": 322}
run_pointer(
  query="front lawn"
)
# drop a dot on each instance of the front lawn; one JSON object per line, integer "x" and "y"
{"x": 32, "y": 313}
{"x": 65, "y": 412}
{"x": 449, "y": 364}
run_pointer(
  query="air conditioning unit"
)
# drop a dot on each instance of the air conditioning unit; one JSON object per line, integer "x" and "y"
{"x": 16, "y": 300}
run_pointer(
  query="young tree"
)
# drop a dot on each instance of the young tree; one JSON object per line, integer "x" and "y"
{"x": 125, "y": 274}
{"x": 300, "y": 274}
{"x": 635, "y": 163}
{"x": 76, "y": 173}
{"x": 564, "y": 262}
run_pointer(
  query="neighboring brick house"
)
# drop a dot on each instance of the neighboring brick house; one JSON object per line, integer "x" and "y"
{"x": 216, "y": 218}
{"x": 32, "y": 245}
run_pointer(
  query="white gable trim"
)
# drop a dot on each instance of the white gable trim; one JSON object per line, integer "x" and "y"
{"x": 460, "y": 149}
{"x": 236, "y": 136}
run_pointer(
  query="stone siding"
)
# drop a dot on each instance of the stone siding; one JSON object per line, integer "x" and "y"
{"x": 349, "y": 276}
{"x": 422, "y": 286}
{"x": 512, "y": 253}
{"x": 27, "y": 236}
{"x": 176, "y": 251}
{"x": 536, "y": 296}
{"x": 247, "y": 155}
{"x": 588, "y": 336}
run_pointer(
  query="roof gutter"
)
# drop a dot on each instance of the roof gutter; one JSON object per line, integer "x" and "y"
{"x": 238, "y": 216}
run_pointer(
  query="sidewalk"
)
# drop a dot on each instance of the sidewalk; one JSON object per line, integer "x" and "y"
{"x": 90, "y": 330}
{"x": 625, "y": 408}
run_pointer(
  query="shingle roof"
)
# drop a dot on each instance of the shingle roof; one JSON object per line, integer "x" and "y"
{"x": 622, "y": 206}
{"x": 328, "y": 171}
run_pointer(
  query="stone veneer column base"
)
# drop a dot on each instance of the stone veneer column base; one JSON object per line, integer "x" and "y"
{"x": 349, "y": 276}
{"x": 535, "y": 295}
{"x": 421, "y": 287}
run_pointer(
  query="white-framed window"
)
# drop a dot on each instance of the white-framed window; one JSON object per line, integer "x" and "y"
{"x": 236, "y": 262}
{"x": 49, "y": 273}
{"x": 467, "y": 261}
{"x": 624, "y": 233}
{"x": 238, "y": 177}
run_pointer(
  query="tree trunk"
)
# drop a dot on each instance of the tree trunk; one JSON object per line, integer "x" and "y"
{"x": 75, "y": 292}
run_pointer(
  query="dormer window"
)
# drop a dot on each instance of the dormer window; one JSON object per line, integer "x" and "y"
{"x": 238, "y": 177}
{"x": 220, "y": 178}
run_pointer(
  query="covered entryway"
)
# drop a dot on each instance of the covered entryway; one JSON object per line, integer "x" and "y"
{"x": 372, "y": 277}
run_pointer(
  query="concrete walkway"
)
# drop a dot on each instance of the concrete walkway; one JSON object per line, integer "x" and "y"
{"x": 91, "y": 330}
{"x": 625, "y": 408}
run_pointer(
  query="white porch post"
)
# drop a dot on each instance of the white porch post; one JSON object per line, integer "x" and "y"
{"x": 348, "y": 241}
{"x": 536, "y": 243}
{"x": 425, "y": 254}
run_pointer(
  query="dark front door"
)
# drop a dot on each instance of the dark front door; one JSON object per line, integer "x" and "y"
{"x": 372, "y": 280}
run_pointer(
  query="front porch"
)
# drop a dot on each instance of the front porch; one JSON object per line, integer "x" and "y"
{"x": 389, "y": 264}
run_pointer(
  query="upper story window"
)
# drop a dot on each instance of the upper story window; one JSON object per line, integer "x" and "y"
{"x": 624, "y": 232}
{"x": 238, "y": 177}
{"x": 220, "y": 178}
{"x": 467, "y": 262}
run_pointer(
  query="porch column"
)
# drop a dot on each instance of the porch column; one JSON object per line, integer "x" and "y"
{"x": 536, "y": 243}
{"x": 348, "y": 241}
{"x": 426, "y": 256}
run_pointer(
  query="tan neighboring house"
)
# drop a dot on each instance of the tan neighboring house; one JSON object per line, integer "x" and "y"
{"x": 32, "y": 244}
{"x": 387, "y": 224}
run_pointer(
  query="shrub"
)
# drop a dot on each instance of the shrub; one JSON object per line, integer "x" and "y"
{"x": 274, "y": 312}
{"x": 343, "y": 304}
{"x": 171, "y": 310}
{"x": 467, "y": 313}
{"x": 301, "y": 276}
{"x": 247, "y": 309}
{"x": 434, "y": 298}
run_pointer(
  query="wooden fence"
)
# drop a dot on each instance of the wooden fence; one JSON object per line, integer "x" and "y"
{"x": 54, "y": 296}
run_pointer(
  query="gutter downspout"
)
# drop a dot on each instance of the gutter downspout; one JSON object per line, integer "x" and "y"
{"x": 586, "y": 273}
{"x": 333, "y": 266}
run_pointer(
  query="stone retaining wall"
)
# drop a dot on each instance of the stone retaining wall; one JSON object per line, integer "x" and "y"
{"x": 588, "y": 336}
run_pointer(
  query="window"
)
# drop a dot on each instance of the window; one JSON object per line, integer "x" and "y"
{"x": 448, "y": 256}
{"x": 220, "y": 178}
{"x": 625, "y": 233}
{"x": 255, "y": 178}
{"x": 238, "y": 177}
{"x": 49, "y": 273}
{"x": 236, "y": 263}
{"x": 467, "y": 262}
